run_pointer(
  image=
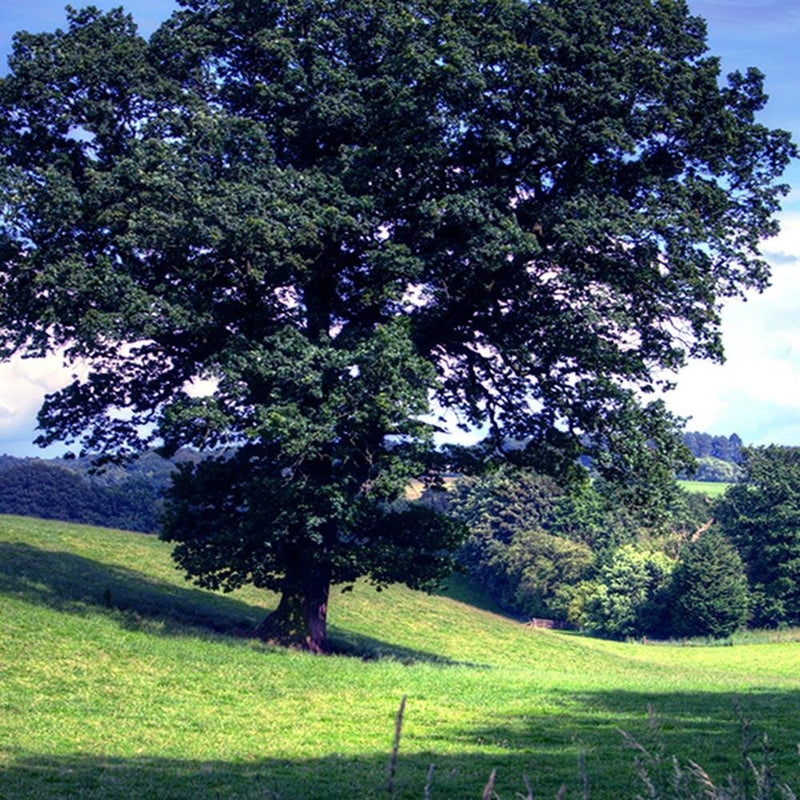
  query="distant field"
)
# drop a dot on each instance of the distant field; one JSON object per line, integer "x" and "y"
{"x": 708, "y": 488}
{"x": 119, "y": 680}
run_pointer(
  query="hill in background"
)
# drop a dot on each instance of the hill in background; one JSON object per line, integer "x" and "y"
{"x": 119, "y": 496}
{"x": 718, "y": 457}
{"x": 129, "y": 496}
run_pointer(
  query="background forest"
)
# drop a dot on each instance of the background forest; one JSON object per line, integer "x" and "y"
{"x": 582, "y": 557}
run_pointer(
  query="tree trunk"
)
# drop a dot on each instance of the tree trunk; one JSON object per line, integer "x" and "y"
{"x": 300, "y": 620}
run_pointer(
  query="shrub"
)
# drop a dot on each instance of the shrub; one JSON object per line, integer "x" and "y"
{"x": 630, "y": 594}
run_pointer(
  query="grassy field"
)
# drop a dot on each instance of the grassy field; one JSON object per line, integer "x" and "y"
{"x": 708, "y": 488}
{"x": 119, "y": 680}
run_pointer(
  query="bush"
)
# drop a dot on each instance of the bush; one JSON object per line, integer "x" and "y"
{"x": 542, "y": 568}
{"x": 630, "y": 595}
{"x": 714, "y": 469}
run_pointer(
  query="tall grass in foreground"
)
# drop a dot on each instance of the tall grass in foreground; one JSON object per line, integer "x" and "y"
{"x": 665, "y": 777}
{"x": 659, "y": 776}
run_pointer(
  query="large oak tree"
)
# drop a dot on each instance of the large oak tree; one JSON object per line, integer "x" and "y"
{"x": 348, "y": 215}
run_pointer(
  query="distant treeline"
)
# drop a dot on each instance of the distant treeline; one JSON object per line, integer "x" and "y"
{"x": 704, "y": 445}
{"x": 128, "y": 497}
{"x": 718, "y": 457}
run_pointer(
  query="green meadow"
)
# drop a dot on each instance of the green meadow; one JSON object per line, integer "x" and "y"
{"x": 118, "y": 679}
{"x": 710, "y": 489}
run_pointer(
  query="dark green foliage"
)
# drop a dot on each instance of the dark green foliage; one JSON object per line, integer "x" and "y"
{"x": 689, "y": 512}
{"x": 761, "y": 517}
{"x": 33, "y": 488}
{"x": 717, "y": 457}
{"x": 596, "y": 515}
{"x": 723, "y": 448}
{"x": 147, "y": 467}
{"x": 134, "y": 504}
{"x": 543, "y": 569}
{"x": 578, "y": 555}
{"x": 709, "y": 589}
{"x": 630, "y": 594}
{"x": 393, "y": 543}
{"x": 582, "y": 557}
{"x": 505, "y": 512}
{"x": 349, "y": 215}
{"x": 504, "y": 501}
{"x": 36, "y": 488}
{"x": 638, "y": 472}
{"x": 585, "y": 515}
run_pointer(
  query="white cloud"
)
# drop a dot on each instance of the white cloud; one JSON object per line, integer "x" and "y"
{"x": 23, "y": 385}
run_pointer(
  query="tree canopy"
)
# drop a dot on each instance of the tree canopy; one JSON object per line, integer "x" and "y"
{"x": 343, "y": 217}
{"x": 710, "y": 594}
{"x": 761, "y": 517}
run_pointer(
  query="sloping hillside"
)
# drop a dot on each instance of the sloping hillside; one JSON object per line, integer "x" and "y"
{"x": 120, "y": 680}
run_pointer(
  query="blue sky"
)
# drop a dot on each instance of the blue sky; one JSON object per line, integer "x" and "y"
{"x": 756, "y": 393}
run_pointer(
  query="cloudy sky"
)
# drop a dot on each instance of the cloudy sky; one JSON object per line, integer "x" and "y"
{"x": 756, "y": 393}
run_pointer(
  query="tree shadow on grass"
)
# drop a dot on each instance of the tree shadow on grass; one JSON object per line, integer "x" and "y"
{"x": 74, "y": 584}
{"x": 334, "y": 777}
{"x": 583, "y": 751}
{"x": 367, "y": 648}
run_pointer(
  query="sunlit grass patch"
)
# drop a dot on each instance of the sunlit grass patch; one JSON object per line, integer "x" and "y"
{"x": 712, "y": 489}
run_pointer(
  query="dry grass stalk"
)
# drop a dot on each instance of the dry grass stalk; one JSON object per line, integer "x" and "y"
{"x": 704, "y": 779}
{"x": 583, "y": 773}
{"x": 528, "y": 796}
{"x": 429, "y": 782}
{"x": 488, "y": 790}
{"x": 398, "y": 729}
